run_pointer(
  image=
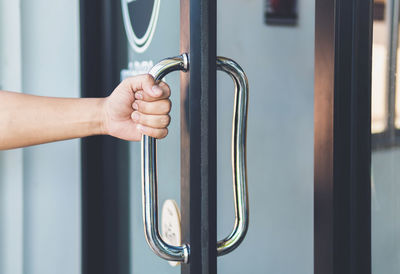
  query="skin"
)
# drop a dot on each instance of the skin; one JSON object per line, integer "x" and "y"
{"x": 137, "y": 106}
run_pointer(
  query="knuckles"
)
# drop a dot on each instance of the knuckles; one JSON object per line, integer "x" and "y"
{"x": 167, "y": 106}
{"x": 148, "y": 78}
{"x": 164, "y": 86}
{"x": 164, "y": 121}
{"x": 162, "y": 134}
{"x": 157, "y": 107}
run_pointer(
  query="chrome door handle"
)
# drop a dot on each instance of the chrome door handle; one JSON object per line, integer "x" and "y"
{"x": 149, "y": 166}
{"x": 149, "y": 177}
{"x": 239, "y": 126}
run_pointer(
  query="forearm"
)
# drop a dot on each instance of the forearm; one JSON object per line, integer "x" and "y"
{"x": 29, "y": 120}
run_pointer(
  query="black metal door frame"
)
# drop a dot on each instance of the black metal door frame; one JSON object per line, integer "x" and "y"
{"x": 342, "y": 183}
{"x": 104, "y": 159}
{"x": 199, "y": 136}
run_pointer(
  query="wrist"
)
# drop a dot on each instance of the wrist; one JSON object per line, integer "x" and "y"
{"x": 104, "y": 127}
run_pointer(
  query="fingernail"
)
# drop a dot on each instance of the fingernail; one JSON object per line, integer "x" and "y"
{"x": 156, "y": 90}
{"x": 135, "y": 117}
{"x": 139, "y": 95}
{"x": 135, "y": 106}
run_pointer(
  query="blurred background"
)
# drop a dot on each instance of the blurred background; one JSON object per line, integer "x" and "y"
{"x": 41, "y": 198}
{"x": 385, "y": 138}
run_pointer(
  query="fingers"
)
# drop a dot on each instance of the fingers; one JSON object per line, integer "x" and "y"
{"x": 153, "y": 121}
{"x": 152, "y": 118}
{"x": 145, "y": 88}
{"x": 153, "y": 132}
{"x": 140, "y": 82}
{"x": 151, "y": 105}
{"x": 154, "y": 108}
{"x": 157, "y": 92}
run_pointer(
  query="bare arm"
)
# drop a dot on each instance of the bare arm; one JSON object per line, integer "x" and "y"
{"x": 29, "y": 120}
{"x": 137, "y": 106}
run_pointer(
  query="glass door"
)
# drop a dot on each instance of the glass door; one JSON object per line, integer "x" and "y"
{"x": 308, "y": 141}
{"x": 157, "y": 23}
{"x": 186, "y": 170}
{"x": 194, "y": 162}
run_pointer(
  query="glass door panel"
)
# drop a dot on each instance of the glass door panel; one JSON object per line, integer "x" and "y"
{"x": 280, "y": 136}
{"x": 163, "y": 43}
{"x": 278, "y": 58}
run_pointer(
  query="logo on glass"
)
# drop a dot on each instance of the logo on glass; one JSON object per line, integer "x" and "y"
{"x": 140, "y": 20}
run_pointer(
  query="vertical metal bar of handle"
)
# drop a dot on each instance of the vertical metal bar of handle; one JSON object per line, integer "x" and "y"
{"x": 149, "y": 177}
{"x": 239, "y": 171}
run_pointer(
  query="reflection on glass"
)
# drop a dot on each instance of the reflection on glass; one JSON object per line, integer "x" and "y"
{"x": 380, "y": 50}
{"x": 379, "y": 76}
{"x": 397, "y": 119}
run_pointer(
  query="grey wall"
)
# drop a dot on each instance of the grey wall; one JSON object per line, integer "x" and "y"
{"x": 11, "y": 212}
{"x": 50, "y": 57}
{"x": 11, "y": 181}
{"x": 40, "y": 186}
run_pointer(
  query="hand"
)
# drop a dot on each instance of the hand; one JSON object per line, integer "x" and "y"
{"x": 138, "y": 106}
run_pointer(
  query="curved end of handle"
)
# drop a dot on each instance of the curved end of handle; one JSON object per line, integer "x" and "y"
{"x": 234, "y": 239}
{"x": 168, "y": 252}
{"x": 185, "y": 61}
{"x": 186, "y": 252}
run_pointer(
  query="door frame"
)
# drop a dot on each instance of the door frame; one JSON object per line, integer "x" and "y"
{"x": 342, "y": 154}
{"x": 104, "y": 159}
{"x": 199, "y": 135}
